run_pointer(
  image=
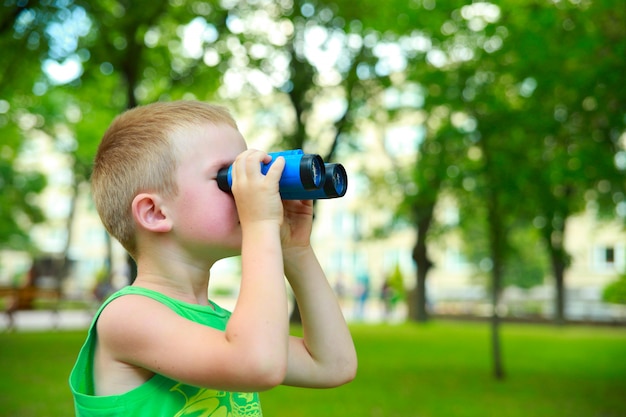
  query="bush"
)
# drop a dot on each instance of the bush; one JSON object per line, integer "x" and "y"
{"x": 615, "y": 292}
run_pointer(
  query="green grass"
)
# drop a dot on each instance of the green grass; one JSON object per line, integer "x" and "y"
{"x": 444, "y": 370}
{"x": 441, "y": 369}
{"x": 34, "y": 369}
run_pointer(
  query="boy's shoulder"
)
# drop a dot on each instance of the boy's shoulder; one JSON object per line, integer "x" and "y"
{"x": 132, "y": 328}
{"x": 130, "y": 312}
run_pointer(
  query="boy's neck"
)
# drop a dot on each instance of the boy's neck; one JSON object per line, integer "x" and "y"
{"x": 182, "y": 283}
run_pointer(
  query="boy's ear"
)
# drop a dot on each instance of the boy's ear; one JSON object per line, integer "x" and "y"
{"x": 149, "y": 214}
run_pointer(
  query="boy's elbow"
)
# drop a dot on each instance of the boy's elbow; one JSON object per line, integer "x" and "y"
{"x": 343, "y": 373}
{"x": 351, "y": 366}
{"x": 349, "y": 373}
{"x": 268, "y": 374}
{"x": 272, "y": 378}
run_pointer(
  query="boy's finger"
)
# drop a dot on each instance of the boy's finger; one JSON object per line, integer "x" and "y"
{"x": 276, "y": 169}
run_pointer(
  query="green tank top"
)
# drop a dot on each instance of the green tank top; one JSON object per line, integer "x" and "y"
{"x": 159, "y": 396}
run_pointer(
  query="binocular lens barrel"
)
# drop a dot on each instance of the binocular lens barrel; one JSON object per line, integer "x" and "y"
{"x": 336, "y": 175}
{"x": 305, "y": 177}
{"x": 311, "y": 172}
{"x": 335, "y": 186}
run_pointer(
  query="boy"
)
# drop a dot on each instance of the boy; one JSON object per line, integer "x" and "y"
{"x": 160, "y": 347}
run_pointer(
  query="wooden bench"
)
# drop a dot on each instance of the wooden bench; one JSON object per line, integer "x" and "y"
{"x": 25, "y": 298}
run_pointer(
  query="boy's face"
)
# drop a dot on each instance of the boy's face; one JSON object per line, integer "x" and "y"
{"x": 205, "y": 218}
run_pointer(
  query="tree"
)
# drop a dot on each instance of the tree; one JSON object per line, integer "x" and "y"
{"x": 528, "y": 129}
{"x": 571, "y": 110}
{"x": 22, "y": 44}
{"x": 147, "y": 56}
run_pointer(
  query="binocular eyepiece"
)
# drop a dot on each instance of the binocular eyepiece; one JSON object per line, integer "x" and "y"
{"x": 305, "y": 177}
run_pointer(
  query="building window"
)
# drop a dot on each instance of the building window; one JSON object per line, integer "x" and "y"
{"x": 609, "y": 257}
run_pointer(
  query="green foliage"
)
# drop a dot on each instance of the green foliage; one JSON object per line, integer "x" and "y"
{"x": 525, "y": 264}
{"x": 615, "y": 292}
{"x": 23, "y": 44}
{"x": 515, "y": 118}
{"x": 522, "y": 136}
{"x": 18, "y": 206}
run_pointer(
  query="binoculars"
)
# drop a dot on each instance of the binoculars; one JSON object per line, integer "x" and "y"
{"x": 305, "y": 177}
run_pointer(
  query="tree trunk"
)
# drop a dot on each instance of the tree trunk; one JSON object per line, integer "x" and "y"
{"x": 554, "y": 236}
{"x": 69, "y": 227}
{"x": 559, "y": 261}
{"x": 497, "y": 248}
{"x": 496, "y": 347}
{"x": 496, "y": 242}
{"x": 423, "y": 263}
{"x": 559, "y": 281}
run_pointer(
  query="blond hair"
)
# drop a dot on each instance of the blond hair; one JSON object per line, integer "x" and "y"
{"x": 137, "y": 154}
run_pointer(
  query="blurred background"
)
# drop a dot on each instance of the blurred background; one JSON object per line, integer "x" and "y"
{"x": 485, "y": 144}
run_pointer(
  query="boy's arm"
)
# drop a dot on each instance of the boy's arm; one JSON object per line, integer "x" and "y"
{"x": 258, "y": 322}
{"x": 325, "y": 356}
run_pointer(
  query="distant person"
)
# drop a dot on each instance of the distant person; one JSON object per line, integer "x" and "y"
{"x": 362, "y": 294}
{"x": 388, "y": 297}
{"x": 160, "y": 347}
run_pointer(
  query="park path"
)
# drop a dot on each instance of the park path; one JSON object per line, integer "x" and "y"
{"x": 40, "y": 320}
{"x": 35, "y": 320}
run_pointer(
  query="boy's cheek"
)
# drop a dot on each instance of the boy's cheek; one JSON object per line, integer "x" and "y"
{"x": 224, "y": 217}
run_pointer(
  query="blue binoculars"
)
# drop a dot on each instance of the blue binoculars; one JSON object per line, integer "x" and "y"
{"x": 305, "y": 177}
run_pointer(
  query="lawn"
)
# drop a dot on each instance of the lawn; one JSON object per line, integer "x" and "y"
{"x": 441, "y": 369}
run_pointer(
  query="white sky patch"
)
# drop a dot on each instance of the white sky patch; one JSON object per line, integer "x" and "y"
{"x": 404, "y": 140}
{"x": 64, "y": 35}
{"x": 479, "y": 14}
{"x": 323, "y": 48}
{"x": 195, "y": 34}
{"x": 63, "y": 72}
{"x": 65, "y": 64}
{"x": 437, "y": 58}
{"x": 391, "y": 58}
{"x": 260, "y": 82}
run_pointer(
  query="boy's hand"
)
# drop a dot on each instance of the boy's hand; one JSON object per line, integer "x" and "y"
{"x": 297, "y": 225}
{"x": 256, "y": 195}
